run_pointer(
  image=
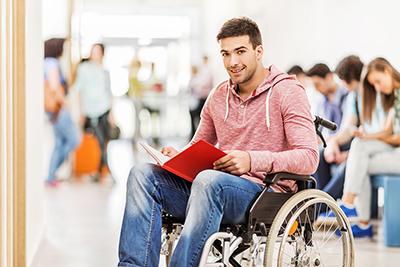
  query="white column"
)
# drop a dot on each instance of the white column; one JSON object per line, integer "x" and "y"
{"x": 35, "y": 220}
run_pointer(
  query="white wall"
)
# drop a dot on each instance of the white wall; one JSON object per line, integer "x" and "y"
{"x": 294, "y": 31}
{"x": 215, "y": 13}
{"x": 54, "y": 22}
{"x": 34, "y": 131}
{"x": 135, "y": 6}
{"x": 309, "y": 31}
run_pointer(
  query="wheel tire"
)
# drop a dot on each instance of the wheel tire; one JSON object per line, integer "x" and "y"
{"x": 289, "y": 214}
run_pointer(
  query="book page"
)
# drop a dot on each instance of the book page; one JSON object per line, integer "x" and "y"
{"x": 159, "y": 157}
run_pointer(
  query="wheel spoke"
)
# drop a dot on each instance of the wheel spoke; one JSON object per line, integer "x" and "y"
{"x": 309, "y": 241}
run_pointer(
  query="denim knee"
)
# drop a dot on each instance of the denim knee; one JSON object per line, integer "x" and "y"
{"x": 140, "y": 174}
{"x": 209, "y": 179}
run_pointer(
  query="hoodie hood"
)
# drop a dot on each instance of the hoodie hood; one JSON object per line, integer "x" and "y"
{"x": 275, "y": 76}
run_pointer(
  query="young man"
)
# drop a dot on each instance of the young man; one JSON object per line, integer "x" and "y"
{"x": 334, "y": 96}
{"x": 261, "y": 118}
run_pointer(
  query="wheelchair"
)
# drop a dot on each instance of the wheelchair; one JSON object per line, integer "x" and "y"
{"x": 282, "y": 229}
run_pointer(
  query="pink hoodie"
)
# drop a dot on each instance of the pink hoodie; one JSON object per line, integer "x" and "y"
{"x": 274, "y": 125}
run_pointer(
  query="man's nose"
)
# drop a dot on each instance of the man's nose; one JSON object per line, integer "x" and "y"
{"x": 234, "y": 60}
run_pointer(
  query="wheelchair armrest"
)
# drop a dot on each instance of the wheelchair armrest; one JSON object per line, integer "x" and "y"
{"x": 273, "y": 178}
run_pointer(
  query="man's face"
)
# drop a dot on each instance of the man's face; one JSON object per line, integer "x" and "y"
{"x": 323, "y": 85}
{"x": 240, "y": 58}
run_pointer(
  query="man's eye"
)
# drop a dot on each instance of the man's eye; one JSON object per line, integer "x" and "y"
{"x": 224, "y": 54}
{"x": 240, "y": 52}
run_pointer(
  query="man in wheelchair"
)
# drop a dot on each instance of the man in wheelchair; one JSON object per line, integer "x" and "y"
{"x": 261, "y": 118}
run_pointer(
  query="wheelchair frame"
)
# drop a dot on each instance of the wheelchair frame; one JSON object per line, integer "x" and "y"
{"x": 265, "y": 220}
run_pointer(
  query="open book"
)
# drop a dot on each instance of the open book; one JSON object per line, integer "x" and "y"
{"x": 189, "y": 162}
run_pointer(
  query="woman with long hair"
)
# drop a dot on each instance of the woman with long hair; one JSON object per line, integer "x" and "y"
{"x": 375, "y": 147}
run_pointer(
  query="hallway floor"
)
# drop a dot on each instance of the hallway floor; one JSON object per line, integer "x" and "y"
{"x": 83, "y": 222}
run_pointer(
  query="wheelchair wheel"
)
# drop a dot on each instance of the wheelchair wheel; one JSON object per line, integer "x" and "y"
{"x": 298, "y": 237}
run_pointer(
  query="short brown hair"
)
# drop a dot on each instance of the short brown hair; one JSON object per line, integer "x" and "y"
{"x": 296, "y": 70}
{"x": 349, "y": 69}
{"x": 319, "y": 70}
{"x": 239, "y": 27}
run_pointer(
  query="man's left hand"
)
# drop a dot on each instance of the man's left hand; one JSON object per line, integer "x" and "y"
{"x": 235, "y": 162}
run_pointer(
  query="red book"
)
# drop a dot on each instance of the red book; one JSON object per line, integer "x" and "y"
{"x": 189, "y": 162}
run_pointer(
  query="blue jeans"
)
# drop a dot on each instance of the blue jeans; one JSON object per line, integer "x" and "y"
{"x": 65, "y": 140}
{"x": 213, "y": 198}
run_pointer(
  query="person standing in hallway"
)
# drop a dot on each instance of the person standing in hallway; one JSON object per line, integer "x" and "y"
{"x": 200, "y": 85}
{"x": 55, "y": 86}
{"x": 95, "y": 100}
{"x": 261, "y": 118}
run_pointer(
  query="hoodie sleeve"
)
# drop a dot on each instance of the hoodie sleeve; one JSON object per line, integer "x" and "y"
{"x": 206, "y": 129}
{"x": 302, "y": 154}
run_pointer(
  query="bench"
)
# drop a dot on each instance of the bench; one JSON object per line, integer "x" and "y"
{"x": 391, "y": 213}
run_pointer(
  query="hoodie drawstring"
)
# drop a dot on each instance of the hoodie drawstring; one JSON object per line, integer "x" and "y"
{"x": 267, "y": 100}
{"x": 267, "y": 120}
{"x": 267, "y": 117}
{"x": 227, "y": 104}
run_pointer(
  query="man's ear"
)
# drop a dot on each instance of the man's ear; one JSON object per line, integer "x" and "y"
{"x": 259, "y": 52}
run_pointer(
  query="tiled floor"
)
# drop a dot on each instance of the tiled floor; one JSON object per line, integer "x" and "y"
{"x": 83, "y": 222}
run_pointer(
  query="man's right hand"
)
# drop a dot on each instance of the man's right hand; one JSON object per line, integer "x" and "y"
{"x": 169, "y": 151}
{"x": 332, "y": 151}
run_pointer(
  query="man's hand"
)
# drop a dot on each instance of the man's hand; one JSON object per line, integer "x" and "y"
{"x": 331, "y": 151}
{"x": 235, "y": 162}
{"x": 169, "y": 151}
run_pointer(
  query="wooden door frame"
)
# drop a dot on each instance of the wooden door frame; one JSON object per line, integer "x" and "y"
{"x": 12, "y": 138}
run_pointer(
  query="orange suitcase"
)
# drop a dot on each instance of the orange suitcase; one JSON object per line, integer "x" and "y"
{"x": 87, "y": 156}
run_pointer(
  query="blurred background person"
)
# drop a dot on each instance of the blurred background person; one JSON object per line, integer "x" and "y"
{"x": 55, "y": 90}
{"x": 95, "y": 101}
{"x": 154, "y": 95}
{"x": 154, "y": 83}
{"x": 200, "y": 85}
{"x": 375, "y": 147}
{"x": 135, "y": 92}
{"x": 334, "y": 96}
{"x": 332, "y": 164}
{"x": 314, "y": 97}
{"x": 299, "y": 72}
{"x": 136, "y": 87}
